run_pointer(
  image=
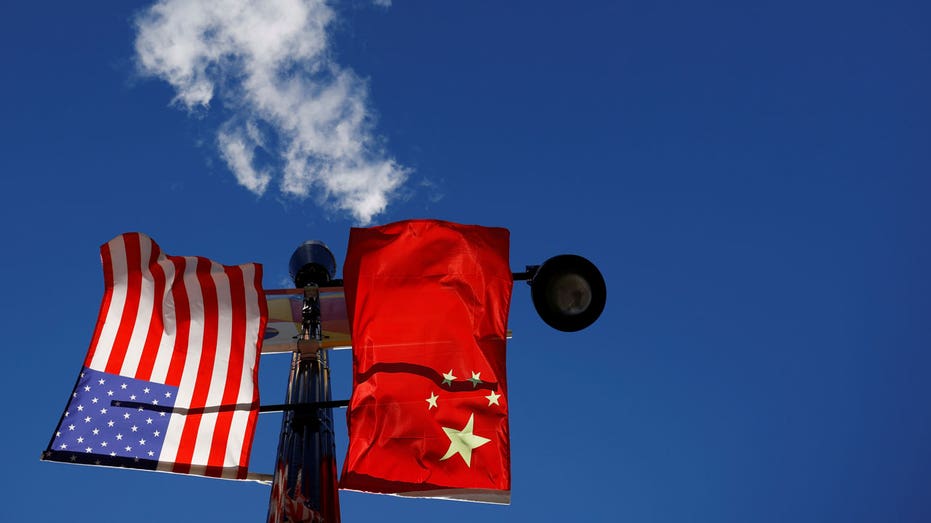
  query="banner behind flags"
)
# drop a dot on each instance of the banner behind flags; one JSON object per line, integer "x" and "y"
{"x": 428, "y": 304}
{"x": 170, "y": 379}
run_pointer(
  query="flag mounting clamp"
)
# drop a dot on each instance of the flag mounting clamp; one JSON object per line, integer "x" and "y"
{"x": 311, "y": 331}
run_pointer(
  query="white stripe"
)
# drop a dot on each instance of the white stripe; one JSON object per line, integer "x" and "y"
{"x": 140, "y": 325}
{"x": 240, "y": 422}
{"x": 208, "y": 422}
{"x": 236, "y": 439}
{"x": 172, "y": 439}
{"x": 169, "y": 325}
{"x": 205, "y": 432}
{"x": 114, "y": 313}
{"x": 191, "y": 287}
{"x": 253, "y": 323}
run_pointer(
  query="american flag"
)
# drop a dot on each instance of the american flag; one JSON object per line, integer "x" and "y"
{"x": 170, "y": 379}
{"x": 285, "y": 507}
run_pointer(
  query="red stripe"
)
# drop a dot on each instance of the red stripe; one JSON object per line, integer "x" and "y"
{"x": 131, "y": 307}
{"x": 254, "y": 413}
{"x": 235, "y": 366}
{"x": 204, "y": 368}
{"x": 107, "y": 263}
{"x": 156, "y": 324}
{"x": 182, "y": 323}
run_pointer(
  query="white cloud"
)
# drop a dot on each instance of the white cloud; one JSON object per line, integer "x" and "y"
{"x": 238, "y": 152}
{"x": 268, "y": 62}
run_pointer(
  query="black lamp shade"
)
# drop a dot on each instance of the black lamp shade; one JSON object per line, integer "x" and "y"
{"x": 568, "y": 292}
{"x": 312, "y": 262}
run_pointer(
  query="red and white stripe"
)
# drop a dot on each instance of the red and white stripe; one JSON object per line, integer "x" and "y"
{"x": 191, "y": 323}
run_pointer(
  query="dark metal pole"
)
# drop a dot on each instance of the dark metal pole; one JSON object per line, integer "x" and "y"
{"x": 305, "y": 484}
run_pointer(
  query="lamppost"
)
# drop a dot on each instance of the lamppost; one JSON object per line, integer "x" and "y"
{"x": 305, "y": 487}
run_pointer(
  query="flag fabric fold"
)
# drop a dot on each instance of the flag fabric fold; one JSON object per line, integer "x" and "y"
{"x": 170, "y": 381}
{"x": 428, "y": 304}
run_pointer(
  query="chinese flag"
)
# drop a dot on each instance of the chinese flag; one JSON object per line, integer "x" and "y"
{"x": 428, "y": 305}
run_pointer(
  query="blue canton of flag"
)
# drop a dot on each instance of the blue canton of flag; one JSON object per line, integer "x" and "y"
{"x": 113, "y": 420}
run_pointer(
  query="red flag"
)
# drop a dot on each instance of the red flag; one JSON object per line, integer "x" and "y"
{"x": 428, "y": 304}
{"x": 170, "y": 380}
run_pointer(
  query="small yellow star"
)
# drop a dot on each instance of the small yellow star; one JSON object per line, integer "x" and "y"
{"x": 432, "y": 401}
{"x": 493, "y": 399}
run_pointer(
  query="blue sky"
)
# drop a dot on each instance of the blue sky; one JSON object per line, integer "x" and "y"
{"x": 752, "y": 180}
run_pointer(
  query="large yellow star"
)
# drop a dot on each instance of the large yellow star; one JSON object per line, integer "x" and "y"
{"x": 463, "y": 441}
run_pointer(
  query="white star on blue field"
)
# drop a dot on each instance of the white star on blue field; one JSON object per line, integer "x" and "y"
{"x": 751, "y": 179}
